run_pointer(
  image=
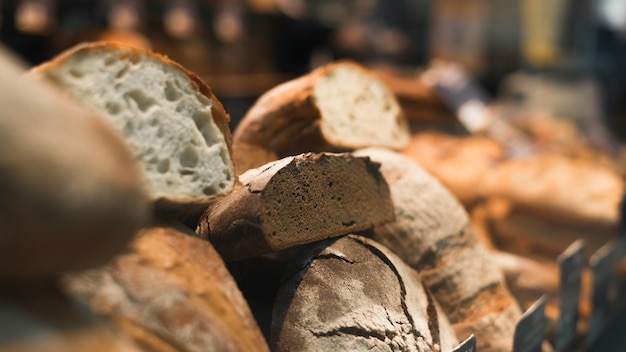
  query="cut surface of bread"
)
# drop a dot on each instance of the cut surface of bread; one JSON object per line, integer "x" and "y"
{"x": 338, "y": 107}
{"x": 358, "y": 110}
{"x": 168, "y": 116}
{"x": 297, "y": 200}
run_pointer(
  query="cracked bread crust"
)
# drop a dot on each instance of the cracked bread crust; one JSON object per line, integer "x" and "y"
{"x": 432, "y": 233}
{"x": 297, "y": 200}
{"x": 353, "y": 294}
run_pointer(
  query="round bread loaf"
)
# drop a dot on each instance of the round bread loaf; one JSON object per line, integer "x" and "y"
{"x": 171, "y": 292}
{"x": 353, "y": 294}
{"x": 432, "y": 234}
{"x": 70, "y": 191}
{"x": 175, "y": 126}
{"x": 337, "y": 107}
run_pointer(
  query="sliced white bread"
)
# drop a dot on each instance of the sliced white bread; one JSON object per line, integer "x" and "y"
{"x": 169, "y": 117}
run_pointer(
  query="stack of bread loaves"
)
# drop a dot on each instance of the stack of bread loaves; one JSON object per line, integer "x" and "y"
{"x": 169, "y": 290}
{"x": 371, "y": 251}
{"x": 424, "y": 234}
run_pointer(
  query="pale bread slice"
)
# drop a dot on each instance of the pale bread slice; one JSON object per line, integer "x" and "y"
{"x": 169, "y": 117}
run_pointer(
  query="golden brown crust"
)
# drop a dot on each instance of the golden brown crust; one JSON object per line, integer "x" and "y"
{"x": 444, "y": 155}
{"x": 171, "y": 291}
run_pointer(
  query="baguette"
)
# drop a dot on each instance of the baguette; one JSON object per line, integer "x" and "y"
{"x": 170, "y": 292}
{"x": 432, "y": 233}
{"x": 353, "y": 294}
{"x": 337, "y": 107}
{"x": 71, "y": 192}
{"x": 176, "y": 127}
{"x": 297, "y": 200}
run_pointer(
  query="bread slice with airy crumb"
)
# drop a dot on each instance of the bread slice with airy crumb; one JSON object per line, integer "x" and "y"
{"x": 338, "y": 107}
{"x": 169, "y": 117}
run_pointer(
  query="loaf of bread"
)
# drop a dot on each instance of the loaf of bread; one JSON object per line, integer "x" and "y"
{"x": 176, "y": 127}
{"x": 525, "y": 232}
{"x": 297, "y": 200}
{"x": 542, "y": 185}
{"x": 337, "y": 107}
{"x": 353, "y": 294}
{"x": 39, "y": 318}
{"x": 443, "y": 155}
{"x": 560, "y": 189}
{"x": 170, "y": 292}
{"x": 70, "y": 191}
{"x": 431, "y": 232}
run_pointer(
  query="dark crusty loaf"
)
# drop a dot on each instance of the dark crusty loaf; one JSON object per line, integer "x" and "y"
{"x": 70, "y": 191}
{"x": 432, "y": 234}
{"x": 171, "y": 292}
{"x": 338, "y": 107}
{"x": 353, "y": 294}
{"x": 169, "y": 117}
{"x": 297, "y": 200}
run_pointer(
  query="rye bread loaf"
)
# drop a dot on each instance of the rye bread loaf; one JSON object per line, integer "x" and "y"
{"x": 171, "y": 292}
{"x": 70, "y": 191}
{"x": 176, "y": 127}
{"x": 353, "y": 294}
{"x": 39, "y": 318}
{"x": 337, "y": 107}
{"x": 297, "y": 200}
{"x": 432, "y": 234}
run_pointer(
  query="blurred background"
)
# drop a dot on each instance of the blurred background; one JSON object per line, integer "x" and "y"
{"x": 566, "y": 56}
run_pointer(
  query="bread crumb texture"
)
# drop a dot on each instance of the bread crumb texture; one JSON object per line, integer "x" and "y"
{"x": 358, "y": 110}
{"x": 165, "y": 119}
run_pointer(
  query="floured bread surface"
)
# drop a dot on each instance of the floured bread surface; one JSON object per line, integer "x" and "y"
{"x": 358, "y": 110}
{"x": 177, "y": 130}
{"x": 353, "y": 294}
